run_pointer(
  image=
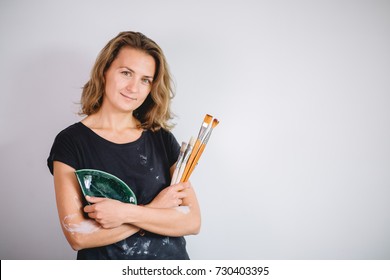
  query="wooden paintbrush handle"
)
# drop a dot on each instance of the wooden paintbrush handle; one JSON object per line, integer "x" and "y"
{"x": 195, "y": 162}
{"x": 191, "y": 159}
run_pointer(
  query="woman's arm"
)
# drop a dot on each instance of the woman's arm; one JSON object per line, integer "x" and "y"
{"x": 81, "y": 232}
{"x": 182, "y": 219}
{"x": 173, "y": 212}
{"x": 162, "y": 216}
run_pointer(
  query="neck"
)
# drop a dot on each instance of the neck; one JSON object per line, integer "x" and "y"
{"x": 112, "y": 121}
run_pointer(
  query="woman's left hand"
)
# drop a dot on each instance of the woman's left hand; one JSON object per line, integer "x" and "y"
{"x": 107, "y": 212}
{"x": 171, "y": 196}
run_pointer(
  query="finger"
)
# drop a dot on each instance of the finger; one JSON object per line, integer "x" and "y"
{"x": 94, "y": 199}
{"x": 179, "y": 187}
{"x": 89, "y": 209}
{"x": 181, "y": 195}
{"x": 92, "y": 215}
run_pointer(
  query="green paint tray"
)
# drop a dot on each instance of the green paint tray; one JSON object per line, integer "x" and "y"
{"x": 102, "y": 184}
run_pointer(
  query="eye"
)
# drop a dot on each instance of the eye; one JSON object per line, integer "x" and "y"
{"x": 147, "y": 81}
{"x": 126, "y": 73}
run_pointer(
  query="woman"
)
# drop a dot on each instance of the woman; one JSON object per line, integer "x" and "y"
{"x": 125, "y": 133}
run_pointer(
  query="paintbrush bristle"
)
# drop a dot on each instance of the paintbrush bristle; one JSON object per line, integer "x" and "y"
{"x": 215, "y": 123}
{"x": 192, "y": 141}
{"x": 208, "y": 118}
{"x": 183, "y": 147}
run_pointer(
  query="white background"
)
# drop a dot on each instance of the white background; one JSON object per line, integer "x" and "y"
{"x": 298, "y": 167}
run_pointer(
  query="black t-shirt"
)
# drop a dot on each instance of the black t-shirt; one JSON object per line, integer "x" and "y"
{"x": 143, "y": 165}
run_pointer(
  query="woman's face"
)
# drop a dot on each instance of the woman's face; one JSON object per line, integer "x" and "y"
{"x": 128, "y": 80}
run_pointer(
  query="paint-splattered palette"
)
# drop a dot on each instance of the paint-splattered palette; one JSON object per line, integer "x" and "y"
{"x": 102, "y": 184}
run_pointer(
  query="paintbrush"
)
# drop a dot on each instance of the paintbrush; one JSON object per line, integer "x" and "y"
{"x": 200, "y": 151}
{"x": 186, "y": 156}
{"x": 179, "y": 162}
{"x": 202, "y": 132}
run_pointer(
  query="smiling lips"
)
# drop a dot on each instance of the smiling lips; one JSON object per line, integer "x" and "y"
{"x": 129, "y": 97}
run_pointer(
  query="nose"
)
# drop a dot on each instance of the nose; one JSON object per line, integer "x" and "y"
{"x": 132, "y": 86}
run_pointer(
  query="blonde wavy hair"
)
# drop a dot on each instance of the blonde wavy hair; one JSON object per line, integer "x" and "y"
{"x": 155, "y": 112}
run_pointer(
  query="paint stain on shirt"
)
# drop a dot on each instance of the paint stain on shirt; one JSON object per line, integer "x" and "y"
{"x": 143, "y": 159}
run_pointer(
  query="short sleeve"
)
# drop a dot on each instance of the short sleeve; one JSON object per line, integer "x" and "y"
{"x": 172, "y": 146}
{"x": 63, "y": 150}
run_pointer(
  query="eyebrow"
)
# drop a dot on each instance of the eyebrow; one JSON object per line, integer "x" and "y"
{"x": 131, "y": 70}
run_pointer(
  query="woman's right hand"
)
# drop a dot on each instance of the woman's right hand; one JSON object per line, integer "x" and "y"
{"x": 171, "y": 196}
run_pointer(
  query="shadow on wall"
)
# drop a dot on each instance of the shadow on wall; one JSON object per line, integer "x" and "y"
{"x": 41, "y": 103}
